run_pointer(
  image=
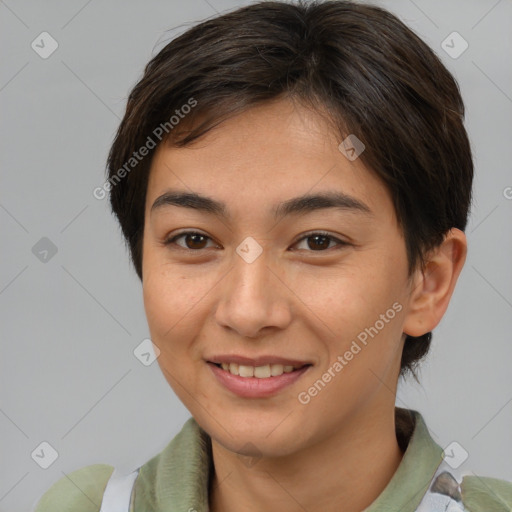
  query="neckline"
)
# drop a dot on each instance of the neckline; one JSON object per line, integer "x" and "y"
{"x": 178, "y": 478}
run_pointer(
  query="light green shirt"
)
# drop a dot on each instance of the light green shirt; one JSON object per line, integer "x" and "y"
{"x": 177, "y": 479}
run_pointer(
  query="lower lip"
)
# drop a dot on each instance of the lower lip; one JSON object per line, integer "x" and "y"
{"x": 252, "y": 387}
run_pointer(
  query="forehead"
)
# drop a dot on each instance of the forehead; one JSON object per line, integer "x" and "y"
{"x": 265, "y": 156}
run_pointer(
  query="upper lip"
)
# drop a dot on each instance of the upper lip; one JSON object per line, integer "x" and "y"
{"x": 256, "y": 361}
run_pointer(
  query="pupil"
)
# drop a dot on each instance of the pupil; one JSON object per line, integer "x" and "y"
{"x": 316, "y": 238}
{"x": 194, "y": 241}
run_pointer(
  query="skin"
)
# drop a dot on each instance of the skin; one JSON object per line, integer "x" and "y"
{"x": 338, "y": 451}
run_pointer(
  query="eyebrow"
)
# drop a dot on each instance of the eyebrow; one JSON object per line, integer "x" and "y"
{"x": 294, "y": 206}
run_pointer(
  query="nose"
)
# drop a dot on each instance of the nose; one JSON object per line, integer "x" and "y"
{"x": 253, "y": 297}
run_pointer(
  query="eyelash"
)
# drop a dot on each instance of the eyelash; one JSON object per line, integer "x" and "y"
{"x": 341, "y": 243}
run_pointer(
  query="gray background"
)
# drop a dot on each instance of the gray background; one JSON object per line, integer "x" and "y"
{"x": 69, "y": 325}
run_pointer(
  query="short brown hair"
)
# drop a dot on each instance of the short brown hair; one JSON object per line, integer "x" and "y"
{"x": 356, "y": 64}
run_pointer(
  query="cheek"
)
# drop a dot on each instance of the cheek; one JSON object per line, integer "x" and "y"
{"x": 343, "y": 297}
{"x": 168, "y": 298}
{"x": 167, "y": 295}
{"x": 176, "y": 306}
{"x": 169, "y": 312}
{"x": 365, "y": 300}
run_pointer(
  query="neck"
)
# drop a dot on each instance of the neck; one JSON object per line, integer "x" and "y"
{"x": 344, "y": 472}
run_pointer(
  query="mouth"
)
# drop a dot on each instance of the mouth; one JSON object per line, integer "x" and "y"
{"x": 265, "y": 371}
{"x": 262, "y": 381}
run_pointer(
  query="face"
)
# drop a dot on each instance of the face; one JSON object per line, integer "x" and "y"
{"x": 260, "y": 278}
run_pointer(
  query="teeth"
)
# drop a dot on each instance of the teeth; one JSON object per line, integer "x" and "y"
{"x": 246, "y": 371}
{"x": 276, "y": 369}
{"x": 260, "y": 372}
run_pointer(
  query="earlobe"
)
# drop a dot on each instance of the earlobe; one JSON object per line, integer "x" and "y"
{"x": 432, "y": 287}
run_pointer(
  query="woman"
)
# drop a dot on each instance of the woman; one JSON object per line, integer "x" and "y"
{"x": 293, "y": 182}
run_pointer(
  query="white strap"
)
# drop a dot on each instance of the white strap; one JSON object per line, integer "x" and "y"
{"x": 118, "y": 492}
{"x": 436, "y": 502}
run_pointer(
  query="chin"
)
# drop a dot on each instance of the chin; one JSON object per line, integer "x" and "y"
{"x": 255, "y": 438}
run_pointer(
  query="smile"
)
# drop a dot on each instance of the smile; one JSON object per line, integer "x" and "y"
{"x": 260, "y": 372}
{"x": 256, "y": 381}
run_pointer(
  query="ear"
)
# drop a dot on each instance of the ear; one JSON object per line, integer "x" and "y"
{"x": 432, "y": 286}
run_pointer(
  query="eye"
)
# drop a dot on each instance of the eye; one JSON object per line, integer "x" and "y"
{"x": 320, "y": 241}
{"x": 195, "y": 241}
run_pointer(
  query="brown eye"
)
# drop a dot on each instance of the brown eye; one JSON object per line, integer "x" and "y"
{"x": 193, "y": 241}
{"x": 316, "y": 242}
{"x": 320, "y": 242}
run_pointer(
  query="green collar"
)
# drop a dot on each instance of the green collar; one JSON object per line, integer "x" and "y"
{"x": 411, "y": 480}
{"x": 177, "y": 479}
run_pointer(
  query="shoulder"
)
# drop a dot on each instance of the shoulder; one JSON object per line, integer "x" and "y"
{"x": 79, "y": 491}
{"x": 483, "y": 494}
